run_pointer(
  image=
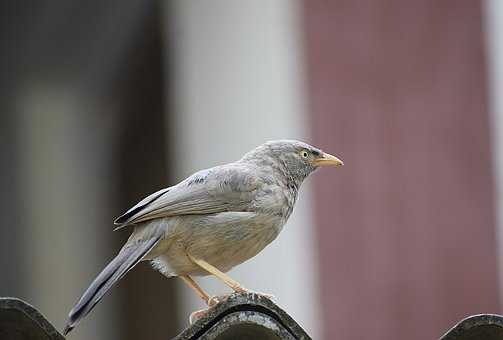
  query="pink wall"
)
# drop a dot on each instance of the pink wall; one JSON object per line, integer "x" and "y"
{"x": 406, "y": 229}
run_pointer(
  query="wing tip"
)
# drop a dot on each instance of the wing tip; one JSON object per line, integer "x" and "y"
{"x": 68, "y": 329}
{"x": 73, "y": 320}
{"x": 123, "y": 219}
{"x": 129, "y": 215}
{"x": 120, "y": 226}
{"x": 119, "y": 221}
{"x": 126, "y": 217}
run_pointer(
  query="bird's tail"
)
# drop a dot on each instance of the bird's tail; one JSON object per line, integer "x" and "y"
{"x": 127, "y": 258}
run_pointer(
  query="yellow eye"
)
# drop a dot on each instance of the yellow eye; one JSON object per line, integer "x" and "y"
{"x": 304, "y": 154}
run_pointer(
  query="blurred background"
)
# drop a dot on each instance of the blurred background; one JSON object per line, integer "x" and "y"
{"x": 103, "y": 103}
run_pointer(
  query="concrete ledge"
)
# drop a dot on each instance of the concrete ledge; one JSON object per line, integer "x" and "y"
{"x": 477, "y": 327}
{"x": 241, "y": 316}
{"x": 245, "y": 316}
{"x": 21, "y": 321}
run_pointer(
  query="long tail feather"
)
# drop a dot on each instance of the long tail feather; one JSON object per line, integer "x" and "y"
{"x": 127, "y": 258}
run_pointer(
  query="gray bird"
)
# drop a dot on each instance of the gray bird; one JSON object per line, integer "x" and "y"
{"x": 212, "y": 221}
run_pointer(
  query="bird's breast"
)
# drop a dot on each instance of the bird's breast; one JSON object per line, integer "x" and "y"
{"x": 223, "y": 240}
{"x": 277, "y": 200}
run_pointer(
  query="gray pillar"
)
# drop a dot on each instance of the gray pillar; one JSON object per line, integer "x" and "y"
{"x": 237, "y": 67}
{"x": 65, "y": 190}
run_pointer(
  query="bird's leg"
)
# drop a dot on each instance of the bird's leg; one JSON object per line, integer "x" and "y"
{"x": 210, "y": 301}
{"x": 199, "y": 291}
{"x": 222, "y": 276}
{"x": 225, "y": 278}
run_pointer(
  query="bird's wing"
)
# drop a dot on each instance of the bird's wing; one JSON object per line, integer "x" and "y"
{"x": 224, "y": 188}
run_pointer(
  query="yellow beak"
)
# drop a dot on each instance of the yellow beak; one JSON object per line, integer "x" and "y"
{"x": 327, "y": 159}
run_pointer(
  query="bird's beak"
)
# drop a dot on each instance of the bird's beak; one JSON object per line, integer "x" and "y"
{"x": 327, "y": 159}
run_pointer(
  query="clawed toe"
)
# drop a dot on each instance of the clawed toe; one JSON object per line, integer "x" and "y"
{"x": 212, "y": 301}
{"x": 269, "y": 296}
{"x": 194, "y": 316}
{"x": 215, "y": 299}
{"x": 266, "y": 295}
{"x": 244, "y": 290}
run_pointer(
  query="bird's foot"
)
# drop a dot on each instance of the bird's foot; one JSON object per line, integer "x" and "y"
{"x": 215, "y": 299}
{"x": 212, "y": 301}
{"x": 244, "y": 290}
{"x": 266, "y": 295}
{"x": 194, "y": 316}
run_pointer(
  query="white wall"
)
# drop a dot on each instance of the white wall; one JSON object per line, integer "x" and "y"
{"x": 66, "y": 188}
{"x": 236, "y": 69}
{"x": 493, "y": 18}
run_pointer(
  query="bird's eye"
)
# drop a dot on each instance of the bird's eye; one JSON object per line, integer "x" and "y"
{"x": 304, "y": 154}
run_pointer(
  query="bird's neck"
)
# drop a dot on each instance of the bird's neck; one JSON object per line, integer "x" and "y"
{"x": 264, "y": 160}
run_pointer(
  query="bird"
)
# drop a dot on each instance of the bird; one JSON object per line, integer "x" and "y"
{"x": 212, "y": 221}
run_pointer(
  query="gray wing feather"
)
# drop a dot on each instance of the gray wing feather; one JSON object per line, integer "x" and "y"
{"x": 223, "y": 188}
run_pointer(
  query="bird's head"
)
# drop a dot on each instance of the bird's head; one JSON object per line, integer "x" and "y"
{"x": 299, "y": 159}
